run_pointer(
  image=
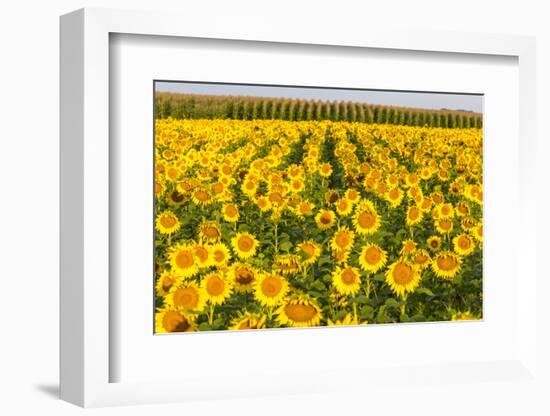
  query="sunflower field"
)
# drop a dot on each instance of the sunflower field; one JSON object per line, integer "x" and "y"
{"x": 275, "y": 223}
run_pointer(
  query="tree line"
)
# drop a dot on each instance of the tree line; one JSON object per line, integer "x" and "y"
{"x": 195, "y": 106}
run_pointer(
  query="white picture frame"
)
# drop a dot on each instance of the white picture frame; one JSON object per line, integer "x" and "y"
{"x": 85, "y": 219}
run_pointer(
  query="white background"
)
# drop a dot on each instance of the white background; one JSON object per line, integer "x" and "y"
{"x": 29, "y": 172}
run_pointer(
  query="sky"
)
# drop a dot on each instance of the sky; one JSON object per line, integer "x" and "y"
{"x": 428, "y": 100}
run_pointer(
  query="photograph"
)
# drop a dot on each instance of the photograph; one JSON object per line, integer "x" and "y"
{"x": 298, "y": 206}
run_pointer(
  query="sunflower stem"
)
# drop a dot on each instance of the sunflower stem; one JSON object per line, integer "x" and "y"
{"x": 355, "y": 311}
{"x": 403, "y": 306}
{"x": 211, "y": 314}
{"x": 276, "y": 236}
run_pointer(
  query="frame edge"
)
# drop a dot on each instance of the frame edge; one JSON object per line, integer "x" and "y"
{"x": 71, "y": 215}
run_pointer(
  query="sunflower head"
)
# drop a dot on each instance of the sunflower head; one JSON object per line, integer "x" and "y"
{"x": 346, "y": 280}
{"x": 464, "y": 316}
{"x": 216, "y": 287}
{"x": 186, "y": 296}
{"x": 165, "y": 282}
{"x": 402, "y": 277}
{"x": 342, "y": 239}
{"x": 434, "y": 243}
{"x": 230, "y": 213}
{"x": 372, "y": 258}
{"x": 248, "y": 320}
{"x": 464, "y": 244}
{"x": 219, "y": 255}
{"x": 299, "y": 311}
{"x": 287, "y": 264}
{"x": 167, "y": 223}
{"x": 309, "y": 251}
{"x": 210, "y": 232}
{"x": 446, "y": 264}
{"x": 325, "y": 219}
{"x": 244, "y": 245}
{"x": 169, "y": 319}
{"x": 344, "y": 206}
{"x": 270, "y": 289}
{"x": 366, "y": 219}
{"x": 183, "y": 260}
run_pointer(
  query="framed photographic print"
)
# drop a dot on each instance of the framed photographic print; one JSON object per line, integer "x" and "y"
{"x": 242, "y": 217}
{"x": 281, "y": 206}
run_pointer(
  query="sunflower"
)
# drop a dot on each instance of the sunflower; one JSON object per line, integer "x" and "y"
{"x": 445, "y": 210}
{"x": 325, "y": 219}
{"x": 421, "y": 258}
{"x": 202, "y": 255}
{"x": 299, "y": 311}
{"x": 244, "y": 277}
{"x": 216, "y": 287}
{"x": 270, "y": 289}
{"x": 263, "y": 203}
{"x": 220, "y": 254}
{"x": 366, "y": 220}
{"x": 169, "y": 319}
{"x": 462, "y": 209}
{"x": 182, "y": 260}
{"x": 414, "y": 215}
{"x": 408, "y": 246}
{"x": 304, "y": 209}
{"x": 245, "y": 245}
{"x": 463, "y": 244}
{"x": 348, "y": 320}
{"x": 210, "y": 231}
{"x": 230, "y": 213}
{"x": 434, "y": 243}
{"x": 477, "y": 232}
{"x": 340, "y": 256}
{"x": 372, "y": 258}
{"x": 394, "y": 196}
{"x": 346, "y": 280}
{"x": 446, "y": 264}
{"x": 287, "y": 264}
{"x": 187, "y": 296}
{"x": 202, "y": 197}
{"x": 402, "y": 277}
{"x": 444, "y": 226}
{"x": 342, "y": 239}
{"x": 464, "y": 316}
{"x": 331, "y": 196}
{"x": 175, "y": 198}
{"x": 309, "y": 251}
{"x": 425, "y": 205}
{"x": 276, "y": 199}
{"x": 297, "y": 185}
{"x": 344, "y": 207}
{"x": 249, "y": 187}
{"x": 248, "y": 320}
{"x": 167, "y": 223}
{"x": 325, "y": 170}
{"x": 352, "y": 195}
{"x": 165, "y": 282}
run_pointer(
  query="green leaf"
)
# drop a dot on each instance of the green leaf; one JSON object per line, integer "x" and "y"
{"x": 318, "y": 285}
{"x": 381, "y": 317}
{"x": 425, "y": 291}
{"x": 361, "y": 299}
{"x": 391, "y": 303}
{"x": 205, "y": 327}
{"x": 286, "y": 246}
{"x": 379, "y": 277}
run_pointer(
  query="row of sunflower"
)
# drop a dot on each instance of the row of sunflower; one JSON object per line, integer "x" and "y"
{"x": 269, "y": 223}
